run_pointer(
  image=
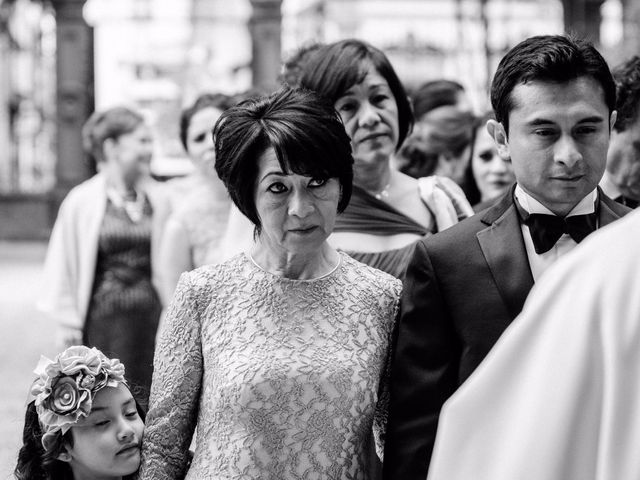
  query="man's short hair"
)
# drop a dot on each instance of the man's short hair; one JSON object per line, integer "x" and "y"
{"x": 627, "y": 78}
{"x": 548, "y": 58}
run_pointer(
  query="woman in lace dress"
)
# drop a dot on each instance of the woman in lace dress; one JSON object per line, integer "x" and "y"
{"x": 278, "y": 354}
{"x": 200, "y": 202}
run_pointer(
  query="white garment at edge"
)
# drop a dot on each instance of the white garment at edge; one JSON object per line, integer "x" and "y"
{"x": 558, "y": 397}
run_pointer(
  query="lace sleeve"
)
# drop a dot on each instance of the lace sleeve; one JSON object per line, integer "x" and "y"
{"x": 175, "y": 390}
{"x": 382, "y": 405}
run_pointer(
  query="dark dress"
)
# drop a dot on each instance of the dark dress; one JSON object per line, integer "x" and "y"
{"x": 367, "y": 214}
{"x": 125, "y": 309}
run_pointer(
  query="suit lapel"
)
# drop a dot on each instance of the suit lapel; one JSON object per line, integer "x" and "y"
{"x": 609, "y": 210}
{"x": 505, "y": 253}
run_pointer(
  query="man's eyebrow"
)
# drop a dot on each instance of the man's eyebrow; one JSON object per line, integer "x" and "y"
{"x": 543, "y": 121}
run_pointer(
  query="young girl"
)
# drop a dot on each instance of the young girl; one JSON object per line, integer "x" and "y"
{"x": 83, "y": 422}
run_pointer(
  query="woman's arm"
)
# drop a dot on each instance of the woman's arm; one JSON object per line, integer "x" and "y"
{"x": 175, "y": 391}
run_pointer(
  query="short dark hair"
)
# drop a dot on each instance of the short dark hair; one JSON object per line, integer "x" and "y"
{"x": 550, "y": 58}
{"x": 335, "y": 68}
{"x": 434, "y": 94}
{"x": 111, "y": 123}
{"x": 219, "y": 101}
{"x": 627, "y": 78}
{"x": 303, "y": 129}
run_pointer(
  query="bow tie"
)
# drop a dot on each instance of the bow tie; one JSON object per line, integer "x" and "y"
{"x": 547, "y": 229}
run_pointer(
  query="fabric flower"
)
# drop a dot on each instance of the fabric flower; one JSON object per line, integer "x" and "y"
{"x": 65, "y": 388}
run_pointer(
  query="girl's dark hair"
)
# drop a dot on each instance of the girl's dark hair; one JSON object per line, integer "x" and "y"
{"x": 303, "y": 129}
{"x": 34, "y": 463}
{"x": 219, "y": 101}
{"x": 334, "y": 68}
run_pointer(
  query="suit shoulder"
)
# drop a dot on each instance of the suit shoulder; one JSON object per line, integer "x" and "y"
{"x": 460, "y": 233}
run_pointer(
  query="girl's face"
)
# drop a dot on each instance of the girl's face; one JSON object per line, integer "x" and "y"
{"x": 370, "y": 116}
{"x": 106, "y": 443}
{"x": 200, "y": 145}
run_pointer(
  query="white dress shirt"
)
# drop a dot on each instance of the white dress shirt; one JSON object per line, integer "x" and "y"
{"x": 540, "y": 262}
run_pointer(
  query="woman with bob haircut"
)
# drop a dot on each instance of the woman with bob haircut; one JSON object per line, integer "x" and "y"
{"x": 279, "y": 354}
{"x": 389, "y": 210}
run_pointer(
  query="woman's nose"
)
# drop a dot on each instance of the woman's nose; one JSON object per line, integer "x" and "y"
{"x": 368, "y": 115}
{"x": 300, "y": 205}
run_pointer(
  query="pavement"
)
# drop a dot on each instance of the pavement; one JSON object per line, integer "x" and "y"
{"x": 25, "y": 334}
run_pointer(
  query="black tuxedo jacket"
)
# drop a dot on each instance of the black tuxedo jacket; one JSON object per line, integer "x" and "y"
{"x": 463, "y": 287}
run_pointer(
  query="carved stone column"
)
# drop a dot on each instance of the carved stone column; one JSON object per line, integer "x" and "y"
{"x": 74, "y": 95}
{"x": 265, "y": 27}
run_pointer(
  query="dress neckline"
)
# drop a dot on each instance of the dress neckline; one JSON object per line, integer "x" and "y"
{"x": 296, "y": 280}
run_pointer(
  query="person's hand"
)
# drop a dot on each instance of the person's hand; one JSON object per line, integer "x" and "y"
{"x": 457, "y": 196}
{"x": 445, "y": 199}
{"x": 67, "y": 336}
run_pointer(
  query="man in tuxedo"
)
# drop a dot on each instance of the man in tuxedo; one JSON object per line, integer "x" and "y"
{"x": 621, "y": 180}
{"x": 554, "y": 100}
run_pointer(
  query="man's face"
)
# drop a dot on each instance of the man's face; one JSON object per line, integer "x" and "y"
{"x": 557, "y": 140}
{"x": 623, "y": 162}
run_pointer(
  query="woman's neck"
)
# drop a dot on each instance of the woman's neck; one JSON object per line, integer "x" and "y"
{"x": 302, "y": 266}
{"x": 374, "y": 178}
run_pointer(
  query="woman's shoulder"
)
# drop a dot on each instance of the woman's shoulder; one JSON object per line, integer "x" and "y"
{"x": 228, "y": 271}
{"x": 365, "y": 277}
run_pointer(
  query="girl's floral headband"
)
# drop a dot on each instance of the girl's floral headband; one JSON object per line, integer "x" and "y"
{"x": 65, "y": 388}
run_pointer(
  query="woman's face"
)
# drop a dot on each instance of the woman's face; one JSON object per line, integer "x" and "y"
{"x": 492, "y": 174}
{"x": 132, "y": 153}
{"x": 200, "y": 145}
{"x": 370, "y": 115}
{"x": 106, "y": 443}
{"x": 297, "y": 212}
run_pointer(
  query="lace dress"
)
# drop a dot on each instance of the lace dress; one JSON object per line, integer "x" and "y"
{"x": 282, "y": 377}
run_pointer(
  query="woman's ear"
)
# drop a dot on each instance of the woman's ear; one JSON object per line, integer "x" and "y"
{"x": 109, "y": 147}
{"x": 64, "y": 456}
{"x": 499, "y": 135}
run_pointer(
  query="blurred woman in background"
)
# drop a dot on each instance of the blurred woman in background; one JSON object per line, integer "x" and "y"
{"x": 97, "y": 274}
{"x": 487, "y": 176}
{"x": 200, "y": 206}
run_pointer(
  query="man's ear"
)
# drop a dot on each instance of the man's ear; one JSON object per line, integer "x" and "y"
{"x": 499, "y": 135}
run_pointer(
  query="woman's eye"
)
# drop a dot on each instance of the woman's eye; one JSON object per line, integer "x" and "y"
{"x": 486, "y": 156}
{"x": 277, "y": 188}
{"x": 377, "y": 99}
{"x": 346, "y": 107}
{"x": 131, "y": 414}
{"x": 318, "y": 182}
{"x": 199, "y": 138}
{"x": 101, "y": 423}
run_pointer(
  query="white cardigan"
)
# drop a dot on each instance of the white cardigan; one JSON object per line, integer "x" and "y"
{"x": 70, "y": 263}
